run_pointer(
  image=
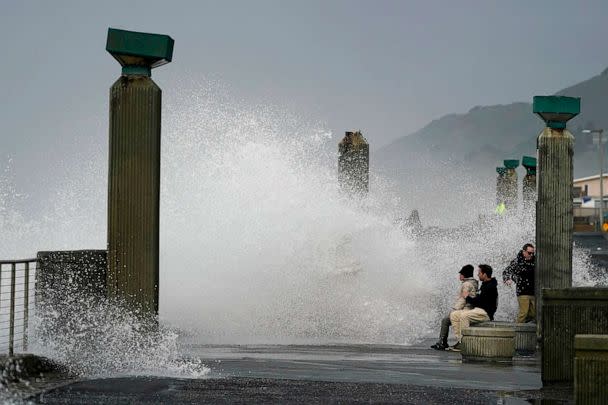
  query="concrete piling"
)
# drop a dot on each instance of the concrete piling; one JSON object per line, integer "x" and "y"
{"x": 529, "y": 183}
{"x": 554, "y": 218}
{"x": 353, "y": 164}
{"x": 134, "y": 169}
{"x": 500, "y": 186}
{"x": 510, "y": 184}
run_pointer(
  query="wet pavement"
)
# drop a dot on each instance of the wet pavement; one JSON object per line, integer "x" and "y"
{"x": 325, "y": 374}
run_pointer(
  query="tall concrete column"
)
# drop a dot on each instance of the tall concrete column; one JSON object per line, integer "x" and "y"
{"x": 510, "y": 183}
{"x": 500, "y": 186}
{"x": 529, "y": 183}
{"x": 353, "y": 163}
{"x": 134, "y": 169}
{"x": 554, "y": 218}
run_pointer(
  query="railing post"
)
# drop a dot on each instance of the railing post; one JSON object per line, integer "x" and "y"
{"x": 11, "y": 331}
{"x": 26, "y": 302}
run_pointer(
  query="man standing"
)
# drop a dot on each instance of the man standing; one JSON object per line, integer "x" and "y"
{"x": 469, "y": 285}
{"x": 484, "y": 304}
{"x": 521, "y": 272}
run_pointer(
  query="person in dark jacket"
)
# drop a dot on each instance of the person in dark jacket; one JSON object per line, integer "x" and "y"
{"x": 484, "y": 304}
{"x": 521, "y": 272}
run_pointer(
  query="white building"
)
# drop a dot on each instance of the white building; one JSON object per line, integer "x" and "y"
{"x": 586, "y": 199}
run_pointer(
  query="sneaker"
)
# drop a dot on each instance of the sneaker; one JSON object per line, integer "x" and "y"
{"x": 439, "y": 346}
{"x": 455, "y": 348}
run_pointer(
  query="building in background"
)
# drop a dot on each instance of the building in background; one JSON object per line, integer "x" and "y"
{"x": 586, "y": 198}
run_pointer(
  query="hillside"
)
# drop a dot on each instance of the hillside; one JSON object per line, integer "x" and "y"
{"x": 466, "y": 148}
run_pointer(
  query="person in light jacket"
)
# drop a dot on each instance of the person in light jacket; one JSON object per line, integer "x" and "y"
{"x": 468, "y": 286}
{"x": 484, "y": 304}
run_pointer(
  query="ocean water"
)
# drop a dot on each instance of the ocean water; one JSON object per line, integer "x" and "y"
{"x": 258, "y": 245}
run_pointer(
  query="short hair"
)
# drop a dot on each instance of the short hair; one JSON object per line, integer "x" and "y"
{"x": 467, "y": 271}
{"x": 527, "y": 245}
{"x": 486, "y": 269}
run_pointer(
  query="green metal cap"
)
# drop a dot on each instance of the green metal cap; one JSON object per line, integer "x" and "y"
{"x": 511, "y": 163}
{"x": 501, "y": 170}
{"x": 138, "y": 52}
{"x": 556, "y": 110}
{"x": 528, "y": 162}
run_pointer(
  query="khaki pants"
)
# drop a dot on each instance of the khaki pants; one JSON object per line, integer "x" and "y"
{"x": 527, "y": 308}
{"x": 463, "y": 318}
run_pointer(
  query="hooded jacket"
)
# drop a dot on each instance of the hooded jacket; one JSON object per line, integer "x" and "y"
{"x": 468, "y": 284}
{"x": 486, "y": 298}
{"x": 522, "y": 274}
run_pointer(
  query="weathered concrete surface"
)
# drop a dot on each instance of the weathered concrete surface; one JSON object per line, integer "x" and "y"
{"x": 525, "y": 334}
{"x": 266, "y": 390}
{"x": 324, "y": 374}
{"x": 570, "y": 311}
{"x": 554, "y": 215}
{"x": 591, "y": 369}
{"x": 488, "y": 344}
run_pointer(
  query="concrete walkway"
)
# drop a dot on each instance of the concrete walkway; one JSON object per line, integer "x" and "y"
{"x": 417, "y": 365}
{"x": 325, "y": 374}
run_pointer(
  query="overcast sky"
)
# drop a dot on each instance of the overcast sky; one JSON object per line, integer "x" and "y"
{"x": 385, "y": 67}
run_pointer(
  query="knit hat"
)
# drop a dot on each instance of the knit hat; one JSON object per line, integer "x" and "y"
{"x": 467, "y": 271}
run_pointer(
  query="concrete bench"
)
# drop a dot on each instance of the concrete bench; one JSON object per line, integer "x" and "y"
{"x": 568, "y": 312}
{"x": 491, "y": 344}
{"x": 525, "y": 335}
{"x": 591, "y": 369}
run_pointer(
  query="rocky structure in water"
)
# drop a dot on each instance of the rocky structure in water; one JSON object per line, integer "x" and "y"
{"x": 353, "y": 163}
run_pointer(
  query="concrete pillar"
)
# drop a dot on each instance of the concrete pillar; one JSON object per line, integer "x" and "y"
{"x": 413, "y": 223}
{"x": 554, "y": 219}
{"x": 500, "y": 185}
{"x": 510, "y": 184}
{"x": 134, "y": 169}
{"x": 591, "y": 369}
{"x": 353, "y": 164}
{"x": 568, "y": 312}
{"x": 529, "y": 183}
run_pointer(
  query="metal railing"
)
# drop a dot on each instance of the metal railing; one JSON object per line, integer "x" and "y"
{"x": 17, "y": 285}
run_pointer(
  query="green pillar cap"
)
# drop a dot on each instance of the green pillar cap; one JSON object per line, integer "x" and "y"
{"x": 556, "y": 110}
{"x": 528, "y": 162}
{"x": 138, "y": 52}
{"x": 501, "y": 170}
{"x": 511, "y": 163}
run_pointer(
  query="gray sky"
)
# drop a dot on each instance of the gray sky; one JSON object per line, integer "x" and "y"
{"x": 385, "y": 67}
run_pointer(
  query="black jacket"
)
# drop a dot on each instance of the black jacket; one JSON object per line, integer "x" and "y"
{"x": 487, "y": 297}
{"x": 522, "y": 274}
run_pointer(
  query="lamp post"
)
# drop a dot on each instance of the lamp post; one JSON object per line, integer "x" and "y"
{"x": 601, "y": 160}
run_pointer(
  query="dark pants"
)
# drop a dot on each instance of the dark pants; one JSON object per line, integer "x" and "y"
{"x": 445, "y": 330}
